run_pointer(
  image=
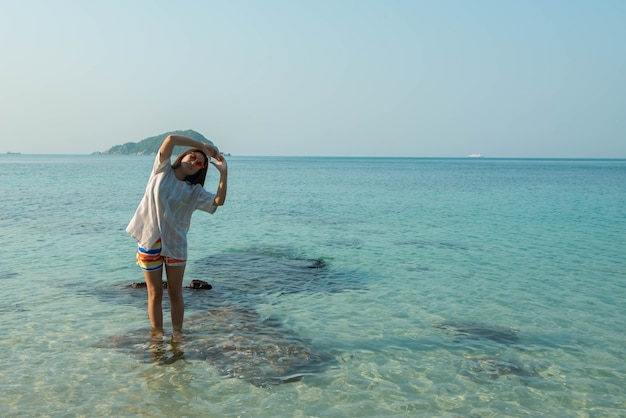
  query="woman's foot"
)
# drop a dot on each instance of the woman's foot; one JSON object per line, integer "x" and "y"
{"x": 156, "y": 335}
{"x": 177, "y": 335}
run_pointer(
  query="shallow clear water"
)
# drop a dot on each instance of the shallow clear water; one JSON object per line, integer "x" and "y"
{"x": 450, "y": 287}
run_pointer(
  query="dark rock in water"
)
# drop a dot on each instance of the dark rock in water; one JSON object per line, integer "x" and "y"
{"x": 238, "y": 342}
{"x": 499, "y": 334}
{"x": 194, "y": 284}
{"x": 316, "y": 264}
{"x": 199, "y": 284}
{"x": 143, "y": 285}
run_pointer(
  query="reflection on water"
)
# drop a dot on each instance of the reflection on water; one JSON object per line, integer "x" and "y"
{"x": 166, "y": 353}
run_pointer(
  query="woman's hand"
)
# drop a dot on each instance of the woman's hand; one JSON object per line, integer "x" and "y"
{"x": 212, "y": 152}
{"x": 220, "y": 164}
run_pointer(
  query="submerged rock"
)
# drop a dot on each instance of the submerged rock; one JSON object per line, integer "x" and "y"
{"x": 496, "y": 367}
{"x": 199, "y": 284}
{"x": 238, "y": 342}
{"x": 499, "y": 334}
{"x": 250, "y": 275}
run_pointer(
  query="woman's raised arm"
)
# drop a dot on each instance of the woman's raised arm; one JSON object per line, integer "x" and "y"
{"x": 167, "y": 147}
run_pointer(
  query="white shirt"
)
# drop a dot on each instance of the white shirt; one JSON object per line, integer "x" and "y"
{"x": 165, "y": 211}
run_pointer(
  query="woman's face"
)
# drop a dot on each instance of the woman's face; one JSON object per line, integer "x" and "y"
{"x": 193, "y": 162}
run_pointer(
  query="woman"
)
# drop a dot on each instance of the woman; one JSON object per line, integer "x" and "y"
{"x": 162, "y": 220}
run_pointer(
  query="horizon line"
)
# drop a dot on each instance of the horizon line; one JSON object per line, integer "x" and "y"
{"x": 468, "y": 157}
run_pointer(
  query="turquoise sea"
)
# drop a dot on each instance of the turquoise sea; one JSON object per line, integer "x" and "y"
{"x": 342, "y": 287}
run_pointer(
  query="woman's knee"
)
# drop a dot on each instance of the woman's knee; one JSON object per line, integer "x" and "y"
{"x": 155, "y": 291}
{"x": 175, "y": 293}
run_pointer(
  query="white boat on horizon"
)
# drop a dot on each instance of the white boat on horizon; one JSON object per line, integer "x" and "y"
{"x": 475, "y": 156}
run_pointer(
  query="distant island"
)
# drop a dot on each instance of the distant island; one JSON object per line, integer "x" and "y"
{"x": 150, "y": 146}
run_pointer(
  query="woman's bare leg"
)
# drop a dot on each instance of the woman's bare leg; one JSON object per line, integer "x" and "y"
{"x": 154, "y": 284}
{"x": 175, "y": 291}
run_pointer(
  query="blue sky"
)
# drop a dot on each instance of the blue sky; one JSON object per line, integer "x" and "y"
{"x": 347, "y": 78}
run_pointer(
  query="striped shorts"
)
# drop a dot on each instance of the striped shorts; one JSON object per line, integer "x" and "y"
{"x": 151, "y": 259}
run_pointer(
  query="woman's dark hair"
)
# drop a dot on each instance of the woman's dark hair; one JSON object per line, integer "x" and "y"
{"x": 200, "y": 176}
